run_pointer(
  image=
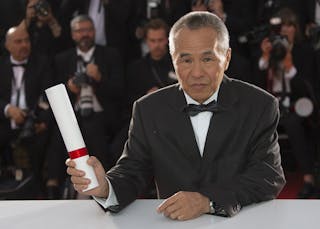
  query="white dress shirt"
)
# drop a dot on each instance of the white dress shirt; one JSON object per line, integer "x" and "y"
{"x": 97, "y": 13}
{"x": 200, "y": 124}
{"x": 201, "y": 121}
{"x": 17, "y": 85}
{"x": 317, "y": 12}
{"x": 277, "y": 84}
{"x": 87, "y": 57}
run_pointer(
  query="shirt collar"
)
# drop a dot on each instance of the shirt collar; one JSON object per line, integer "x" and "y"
{"x": 86, "y": 55}
{"x": 210, "y": 99}
{"x": 13, "y": 61}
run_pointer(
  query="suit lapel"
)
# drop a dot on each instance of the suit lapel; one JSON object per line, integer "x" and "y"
{"x": 28, "y": 81}
{"x": 184, "y": 130}
{"x": 221, "y": 122}
{"x": 7, "y": 78}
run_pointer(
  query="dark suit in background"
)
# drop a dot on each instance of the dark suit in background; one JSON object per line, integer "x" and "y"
{"x": 37, "y": 77}
{"x": 146, "y": 73}
{"x": 240, "y": 163}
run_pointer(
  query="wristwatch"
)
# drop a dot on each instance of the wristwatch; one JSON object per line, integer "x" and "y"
{"x": 212, "y": 209}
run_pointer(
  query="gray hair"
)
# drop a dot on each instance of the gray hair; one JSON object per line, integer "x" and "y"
{"x": 198, "y": 20}
{"x": 80, "y": 18}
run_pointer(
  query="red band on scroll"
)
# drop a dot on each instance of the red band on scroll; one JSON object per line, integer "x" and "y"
{"x": 78, "y": 153}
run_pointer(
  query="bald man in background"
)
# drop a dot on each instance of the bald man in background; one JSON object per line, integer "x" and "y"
{"x": 24, "y": 76}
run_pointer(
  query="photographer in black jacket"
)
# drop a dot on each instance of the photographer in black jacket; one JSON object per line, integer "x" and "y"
{"x": 286, "y": 66}
{"x": 24, "y": 116}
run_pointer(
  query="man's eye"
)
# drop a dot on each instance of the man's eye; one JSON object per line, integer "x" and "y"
{"x": 188, "y": 61}
{"x": 207, "y": 59}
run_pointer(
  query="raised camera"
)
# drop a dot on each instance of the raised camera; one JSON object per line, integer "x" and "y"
{"x": 42, "y": 8}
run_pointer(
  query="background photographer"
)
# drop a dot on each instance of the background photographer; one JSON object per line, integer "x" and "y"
{"x": 286, "y": 66}
{"x": 43, "y": 27}
{"x": 24, "y": 76}
{"x": 93, "y": 75}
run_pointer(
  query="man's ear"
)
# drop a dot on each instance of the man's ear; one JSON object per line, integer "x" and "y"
{"x": 228, "y": 58}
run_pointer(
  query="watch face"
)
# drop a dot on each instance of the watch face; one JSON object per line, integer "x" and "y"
{"x": 212, "y": 210}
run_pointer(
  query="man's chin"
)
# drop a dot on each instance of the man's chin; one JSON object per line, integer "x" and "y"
{"x": 86, "y": 45}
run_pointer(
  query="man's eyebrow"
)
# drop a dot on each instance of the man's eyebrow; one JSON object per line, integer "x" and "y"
{"x": 184, "y": 55}
{"x": 208, "y": 53}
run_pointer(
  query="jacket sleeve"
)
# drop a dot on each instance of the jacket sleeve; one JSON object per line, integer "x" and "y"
{"x": 133, "y": 171}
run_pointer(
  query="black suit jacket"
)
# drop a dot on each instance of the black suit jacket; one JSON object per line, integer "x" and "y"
{"x": 241, "y": 159}
{"x": 145, "y": 73}
{"x": 37, "y": 78}
{"x": 110, "y": 89}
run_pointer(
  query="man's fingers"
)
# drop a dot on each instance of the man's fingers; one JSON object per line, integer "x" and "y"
{"x": 70, "y": 163}
{"x": 171, "y": 200}
{"x": 176, "y": 215}
{"x": 80, "y": 180}
{"x": 75, "y": 172}
{"x": 79, "y": 188}
{"x": 93, "y": 161}
{"x": 171, "y": 209}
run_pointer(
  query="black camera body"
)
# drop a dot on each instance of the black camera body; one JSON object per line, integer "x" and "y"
{"x": 280, "y": 47}
{"x": 280, "y": 44}
{"x": 27, "y": 129}
{"x": 42, "y": 8}
{"x": 257, "y": 34}
{"x": 81, "y": 78}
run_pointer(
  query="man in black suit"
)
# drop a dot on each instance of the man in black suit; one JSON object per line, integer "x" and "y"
{"x": 24, "y": 77}
{"x": 210, "y": 158}
{"x": 155, "y": 70}
{"x": 93, "y": 75}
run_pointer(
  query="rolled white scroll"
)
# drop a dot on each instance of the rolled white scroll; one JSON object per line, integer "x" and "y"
{"x": 70, "y": 131}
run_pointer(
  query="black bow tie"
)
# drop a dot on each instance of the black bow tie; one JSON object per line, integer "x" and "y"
{"x": 193, "y": 109}
{"x": 19, "y": 65}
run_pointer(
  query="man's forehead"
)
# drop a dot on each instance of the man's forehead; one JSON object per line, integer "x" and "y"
{"x": 17, "y": 34}
{"x": 205, "y": 52}
{"x": 83, "y": 23}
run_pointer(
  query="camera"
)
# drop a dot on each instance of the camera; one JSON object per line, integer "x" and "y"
{"x": 81, "y": 78}
{"x": 42, "y": 8}
{"x": 27, "y": 129}
{"x": 86, "y": 101}
{"x": 257, "y": 34}
{"x": 280, "y": 47}
{"x": 83, "y": 81}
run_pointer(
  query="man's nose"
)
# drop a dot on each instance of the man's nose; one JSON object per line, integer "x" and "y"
{"x": 25, "y": 43}
{"x": 197, "y": 69}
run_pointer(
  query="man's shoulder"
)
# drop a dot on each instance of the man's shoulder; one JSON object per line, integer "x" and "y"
{"x": 138, "y": 62}
{"x": 38, "y": 58}
{"x": 247, "y": 90}
{"x": 164, "y": 94}
{"x": 4, "y": 60}
{"x": 65, "y": 54}
{"x": 106, "y": 51}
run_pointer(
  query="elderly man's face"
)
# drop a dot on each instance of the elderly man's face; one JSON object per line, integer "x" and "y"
{"x": 83, "y": 34}
{"x": 199, "y": 63}
{"x": 18, "y": 44}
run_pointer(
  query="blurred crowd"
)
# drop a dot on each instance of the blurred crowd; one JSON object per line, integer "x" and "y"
{"x": 109, "y": 53}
